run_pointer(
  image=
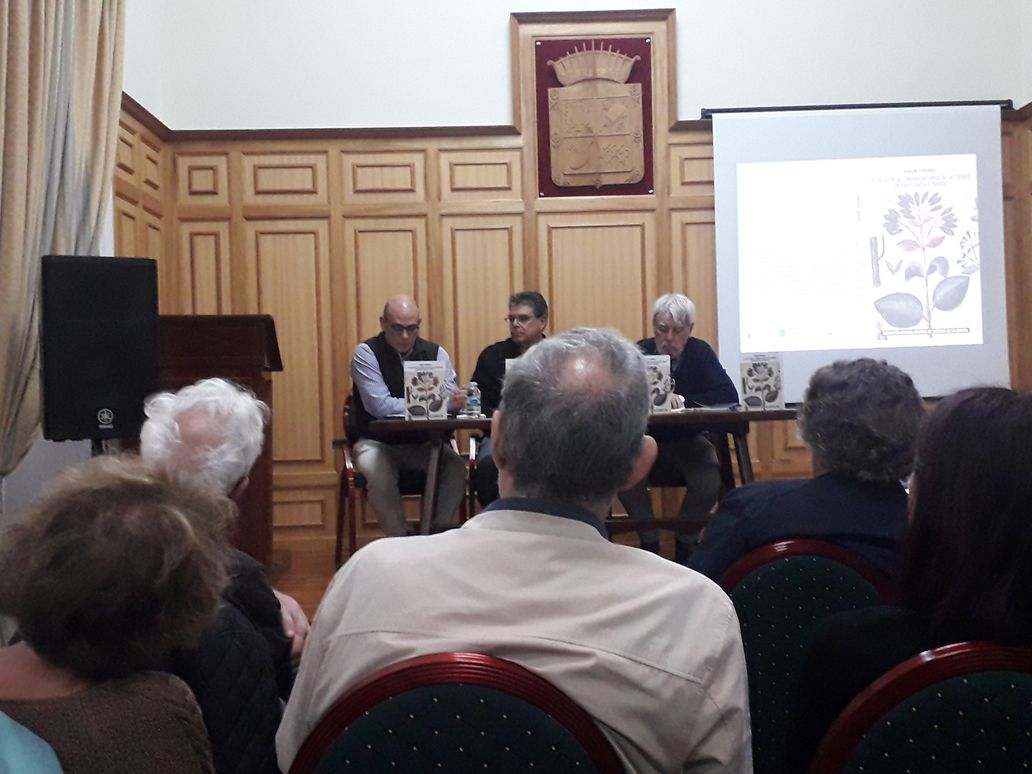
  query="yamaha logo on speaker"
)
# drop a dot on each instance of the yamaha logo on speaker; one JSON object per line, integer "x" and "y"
{"x": 105, "y": 418}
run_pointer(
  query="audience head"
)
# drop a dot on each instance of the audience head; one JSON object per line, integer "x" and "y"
{"x": 861, "y": 418}
{"x": 400, "y": 323}
{"x": 211, "y": 431}
{"x": 528, "y": 316}
{"x": 968, "y": 555}
{"x": 673, "y": 319}
{"x": 573, "y": 418}
{"x": 115, "y": 567}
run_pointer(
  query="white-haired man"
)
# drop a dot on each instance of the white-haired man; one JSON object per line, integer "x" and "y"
{"x": 650, "y": 649}
{"x": 213, "y": 432}
{"x": 699, "y": 380}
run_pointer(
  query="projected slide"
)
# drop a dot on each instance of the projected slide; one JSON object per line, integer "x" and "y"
{"x": 873, "y": 253}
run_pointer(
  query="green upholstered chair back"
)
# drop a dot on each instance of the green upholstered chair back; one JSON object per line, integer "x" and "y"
{"x": 961, "y": 708}
{"x": 781, "y": 592}
{"x": 456, "y": 712}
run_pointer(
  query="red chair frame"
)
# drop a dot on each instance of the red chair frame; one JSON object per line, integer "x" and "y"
{"x": 913, "y": 675}
{"x": 806, "y": 547}
{"x": 468, "y": 668}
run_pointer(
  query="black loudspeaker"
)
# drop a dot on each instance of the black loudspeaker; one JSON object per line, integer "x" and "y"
{"x": 99, "y": 341}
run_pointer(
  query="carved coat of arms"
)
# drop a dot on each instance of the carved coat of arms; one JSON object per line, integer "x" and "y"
{"x": 595, "y": 120}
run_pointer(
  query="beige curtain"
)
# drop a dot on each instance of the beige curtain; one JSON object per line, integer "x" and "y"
{"x": 60, "y": 90}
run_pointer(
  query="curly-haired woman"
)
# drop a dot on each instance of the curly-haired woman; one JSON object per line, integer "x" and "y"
{"x": 860, "y": 419}
{"x": 111, "y": 571}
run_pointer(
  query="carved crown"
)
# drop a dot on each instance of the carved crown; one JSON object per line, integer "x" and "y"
{"x": 591, "y": 63}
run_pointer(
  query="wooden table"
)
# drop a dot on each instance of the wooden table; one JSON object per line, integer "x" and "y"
{"x": 723, "y": 424}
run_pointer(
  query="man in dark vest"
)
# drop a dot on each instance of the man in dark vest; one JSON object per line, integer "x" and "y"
{"x": 377, "y": 373}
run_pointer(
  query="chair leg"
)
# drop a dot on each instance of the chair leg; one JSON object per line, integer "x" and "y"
{"x": 342, "y": 504}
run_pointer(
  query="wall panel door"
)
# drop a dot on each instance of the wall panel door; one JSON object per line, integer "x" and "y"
{"x": 598, "y": 269}
{"x": 291, "y": 260}
{"x": 694, "y": 267}
{"x": 384, "y": 257}
{"x": 482, "y": 265}
{"x": 204, "y": 267}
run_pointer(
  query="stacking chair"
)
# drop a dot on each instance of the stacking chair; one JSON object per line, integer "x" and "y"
{"x": 455, "y": 712}
{"x": 412, "y": 483}
{"x": 960, "y": 708}
{"x": 781, "y": 592}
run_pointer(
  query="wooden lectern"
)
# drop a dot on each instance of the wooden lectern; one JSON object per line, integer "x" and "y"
{"x": 242, "y": 348}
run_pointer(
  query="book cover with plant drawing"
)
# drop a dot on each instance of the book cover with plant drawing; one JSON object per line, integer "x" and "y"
{"x": 922, "y": 226}
{"x": 661, "y": 386}
{"x": 426, "y": 390}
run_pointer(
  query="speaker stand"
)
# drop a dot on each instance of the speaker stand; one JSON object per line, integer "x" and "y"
{"x": 97, "y": 447}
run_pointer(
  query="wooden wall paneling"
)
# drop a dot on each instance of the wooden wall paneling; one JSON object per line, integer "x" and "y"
{"x": 1017, "y": 212}
{"x": 243, "y": 268}
{"x": 384, "y": 257}
{"x": 598, "y": 269}
{"x": 378, "y": 177}
{"x": 691, "y": 167}
{"x": 139, "y": 189}
{"x": 202, "y": 180}
{"x": 125, "y": 150}
{"x": 303, "y": 510}
{"x": 292, "y": 258}
{"x": 482, "y": 264}
{"x": 694, "y": 267}
{"x": 437, "y": 324}
{"x": 152, "y": 239}
{"x": 473, "y": 175}
{"x": 283, "y": 179}
{"x": 342, "y": 298}
{"x": 151, "y": 166}
{"x": 127, "y": 217}
{"x": 204, "y": 267}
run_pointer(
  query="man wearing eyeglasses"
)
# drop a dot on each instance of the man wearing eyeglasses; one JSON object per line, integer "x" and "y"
{"x": 527, "y": 319}
{"x": 699, "y": 380}
{"x": 378, "y": 376}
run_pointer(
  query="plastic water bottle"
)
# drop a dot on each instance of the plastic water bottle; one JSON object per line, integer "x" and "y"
{"x": 472, "y": 407}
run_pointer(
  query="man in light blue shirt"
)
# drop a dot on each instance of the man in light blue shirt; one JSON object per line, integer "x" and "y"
{"x": 377, "y": 373}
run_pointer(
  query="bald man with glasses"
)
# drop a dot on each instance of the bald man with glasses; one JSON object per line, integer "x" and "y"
{"x": 378, "y": 376}
{"x": 527, "y": 320}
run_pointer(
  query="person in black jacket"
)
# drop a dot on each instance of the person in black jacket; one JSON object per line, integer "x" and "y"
{"x": 860, "y": 419}
{"x": 699, "y": 380}
{"x": 241, "y": 671}
{"x": 527, "y": 320}
{"x": 966, "y": 568}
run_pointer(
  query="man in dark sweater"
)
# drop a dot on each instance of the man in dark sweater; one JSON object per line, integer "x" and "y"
{"x": 527, "y": 319}
{"x": 699, "y": 380}
{"x": 378, "y": 376}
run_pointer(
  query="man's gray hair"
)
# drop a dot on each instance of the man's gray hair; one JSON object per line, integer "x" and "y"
{"x": 680, "y": 308}
{"x": 210, "y": 432}
{"x": 572, "y": 432}
{"x": 861, "y": 418}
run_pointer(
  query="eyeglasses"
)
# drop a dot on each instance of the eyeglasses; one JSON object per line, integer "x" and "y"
{"x": 519, "y": 319}
{"x": 663, "y": 330}
{"x": 397, "y": 329}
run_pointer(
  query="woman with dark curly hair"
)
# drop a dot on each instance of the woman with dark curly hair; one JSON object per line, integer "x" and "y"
{"x": 860, "y": 419}
{"x": 967, "y": 561}
{"x": 113, "y": 569}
